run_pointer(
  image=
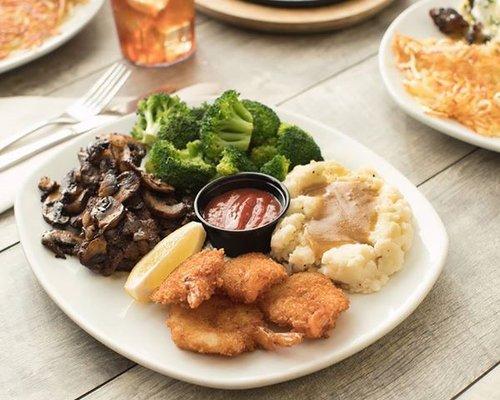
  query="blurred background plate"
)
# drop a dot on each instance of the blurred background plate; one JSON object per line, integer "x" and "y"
{"x": 295, "y": 3}
{"x": 254, "y": 16}
{"x": 80, "y": 16}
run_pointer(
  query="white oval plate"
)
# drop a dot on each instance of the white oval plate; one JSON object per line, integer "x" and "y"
{"x": 81, "y": 16}
{"x": 415, "y": 22}
{"x": 100, "y": 306}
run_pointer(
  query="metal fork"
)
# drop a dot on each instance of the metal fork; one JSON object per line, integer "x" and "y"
{"x": 90, "y": 104}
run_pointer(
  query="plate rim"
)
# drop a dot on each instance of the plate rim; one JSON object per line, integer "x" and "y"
{"x": 74, "y": 26}
{"x": 413, "y": 108}
{"x": 418, "y": 294}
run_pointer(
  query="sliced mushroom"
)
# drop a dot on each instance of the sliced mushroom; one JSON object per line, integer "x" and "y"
{"x": 156, "y": 185}
{"x": 53, "y": 213}
{"x": 107, "y": 212}
{"x": 61, "y": 242}
{"x": 97, "y": 150}
{"x": 93, "y": 252}
{"x": 128, "y": 185}
{"x": 47, "y": 185}
{"x": 162, "y": 208}
{"x": 108, "y": 185}
{"x": 77, "y": 205}
{"x": 70, "y": 189}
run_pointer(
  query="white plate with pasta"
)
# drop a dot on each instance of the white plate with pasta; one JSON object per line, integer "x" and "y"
{"x": 72, "y": 16}
{"x": 416, "y": 23}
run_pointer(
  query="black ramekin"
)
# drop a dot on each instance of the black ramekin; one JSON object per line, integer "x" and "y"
{"x": 235, "y": 242}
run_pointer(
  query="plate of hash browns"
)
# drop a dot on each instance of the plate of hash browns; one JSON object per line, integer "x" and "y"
{"x": 30, "y": 29}
{"x": 440, "y": 63}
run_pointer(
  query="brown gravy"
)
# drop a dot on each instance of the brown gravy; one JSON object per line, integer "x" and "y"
{"x": 346, "y": 216}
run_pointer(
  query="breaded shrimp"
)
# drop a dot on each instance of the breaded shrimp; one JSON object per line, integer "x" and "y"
{"x": 307, "y": 302}
{"x": 219, "y": 326}
{"x": 193, "y": 281}
{"x": 246, "y": 277}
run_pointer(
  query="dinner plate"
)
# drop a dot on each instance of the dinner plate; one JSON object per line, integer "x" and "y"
{"x": 416, "y": 22}
{"x": 100, "y": 306}
{"x": 80, "y": 16}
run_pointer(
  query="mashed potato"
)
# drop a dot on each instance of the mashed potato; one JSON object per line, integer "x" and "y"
{"x": 351, "y": 226}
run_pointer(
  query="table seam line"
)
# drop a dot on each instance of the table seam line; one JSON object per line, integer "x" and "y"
{"x": 470, "y": 385}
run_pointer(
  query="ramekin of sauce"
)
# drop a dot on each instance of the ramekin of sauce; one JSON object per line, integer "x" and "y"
{"x": 240, "y": 212}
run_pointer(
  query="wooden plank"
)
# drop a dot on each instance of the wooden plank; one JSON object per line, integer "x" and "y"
{"x": 356, "y": 103}
{"x": 270, "y": 67}
{"x": 487, "y": 388}
{"x": 44, "y": 354}
{"x": 450, "y": 340}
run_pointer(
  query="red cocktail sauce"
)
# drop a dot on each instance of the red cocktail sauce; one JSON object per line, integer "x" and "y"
{"x": 242, "y": 209}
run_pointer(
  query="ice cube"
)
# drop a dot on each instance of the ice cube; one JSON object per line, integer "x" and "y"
{"x": 149, "y": 7}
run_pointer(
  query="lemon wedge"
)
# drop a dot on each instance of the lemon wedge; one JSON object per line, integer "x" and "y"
{"x": 155, "y": 266}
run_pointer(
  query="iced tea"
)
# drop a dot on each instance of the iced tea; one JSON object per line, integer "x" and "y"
{"x": 155, "y": 32}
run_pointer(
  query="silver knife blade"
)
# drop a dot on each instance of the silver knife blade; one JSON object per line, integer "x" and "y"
{"x": 15, "y": 156}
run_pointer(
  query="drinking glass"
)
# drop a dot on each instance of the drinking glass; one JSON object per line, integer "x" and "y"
{"x": 155, "y": 32}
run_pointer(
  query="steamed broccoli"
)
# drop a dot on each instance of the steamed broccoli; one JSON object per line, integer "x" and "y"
{"x": 277, "y": 167}
{"x": 152, "y": 113}
{"x": 234, "y": 161}
{"x": 199, "y": 112}
{"x": 180, "y": 127}
{"x": 265, "y": 122}
{"x": 262, "y": 154}
{"x": 226, "y": 123}
{"x": 297, "y": 145}
{"x": 184, "y": 169}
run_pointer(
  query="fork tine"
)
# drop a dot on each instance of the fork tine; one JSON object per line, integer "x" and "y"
{"x": 104, "y": 87}
{"x": 103, "y": 79}
{"x": 96, "y": 102}
{"x": 104, "y": 101}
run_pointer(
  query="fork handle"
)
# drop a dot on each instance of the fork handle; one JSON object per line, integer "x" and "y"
{"x": 32, "y": 128}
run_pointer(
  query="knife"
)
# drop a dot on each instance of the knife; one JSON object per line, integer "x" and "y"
{"x": 15, "y": 156}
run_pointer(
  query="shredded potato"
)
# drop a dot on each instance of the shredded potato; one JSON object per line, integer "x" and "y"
{"x": 25, "y": 24}
{"x": 453, "y": 79}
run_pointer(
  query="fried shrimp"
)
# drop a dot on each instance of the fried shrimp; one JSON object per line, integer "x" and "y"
{"x": 193, "y": 281}
{"x": 219, "y": 326}
{"x": 307, "y": 302}
{"x": 246, "y": 277}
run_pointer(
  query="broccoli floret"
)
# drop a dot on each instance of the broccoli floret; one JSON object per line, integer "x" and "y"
{"x": 265, "y": 122}
{"x": 199, "y": 112}
{"x": 152, "y": 113}
{"x": 277, "y": 167}
{"x": 234, "y": 161}
{"x": 180, "y": 127}
{"x": 184, "y": 169}
{"x": 297, "y": 145}
{"x": 226, "y": 123}
{"x": 262, "y": 154}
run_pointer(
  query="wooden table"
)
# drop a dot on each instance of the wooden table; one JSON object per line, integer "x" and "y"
{"x": 447, "y": 349}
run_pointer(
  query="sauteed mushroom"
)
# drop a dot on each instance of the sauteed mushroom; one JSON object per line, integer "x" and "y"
{"x": 156, "y": 185}
{"x": 108, "y": 185}
{"x": 161, "y": 208}
{"x": 107, "y": 212}
{"x": 128, "y": 185}
{"x": 100, "y": 207}
{"x": 61, "y": 242}
{"x": 47, "y": 186}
